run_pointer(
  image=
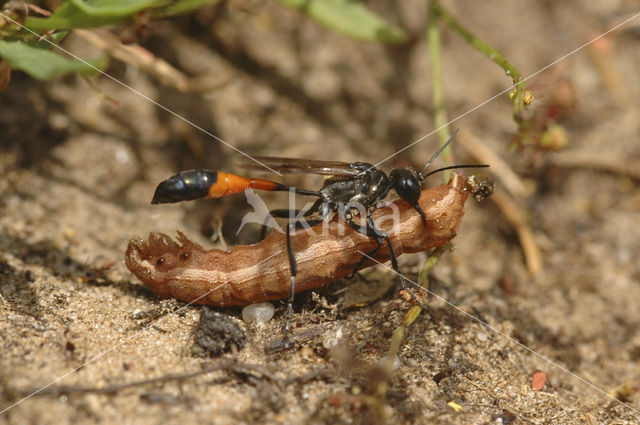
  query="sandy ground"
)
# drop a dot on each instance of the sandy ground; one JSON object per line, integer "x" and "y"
{"x": 80, "y": 162}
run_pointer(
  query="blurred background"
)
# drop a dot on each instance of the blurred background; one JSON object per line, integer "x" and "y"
{"x": 550, "y": 261}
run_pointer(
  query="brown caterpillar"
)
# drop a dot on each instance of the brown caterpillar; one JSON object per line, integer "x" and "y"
{"x": 254, "y": 273}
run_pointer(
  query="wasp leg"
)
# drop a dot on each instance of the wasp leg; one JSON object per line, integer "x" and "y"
{"x": 282, "y": 213}
{"x": 293, "y": 265}
{"x": 365, "y": 257}
{"x": 372, "y": 231}
{"x": 289, "y": 213}
{"x": 380, "y": 236}
{"x": 365, "y": 279}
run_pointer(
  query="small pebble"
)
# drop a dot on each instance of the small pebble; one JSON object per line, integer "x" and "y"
{"x": 218, "y": 333}
{"x": 538, "y": 380}
{"x": 258, "y": 313}
{"x": 396, "y": 362}
{"x": 333, "y": 339}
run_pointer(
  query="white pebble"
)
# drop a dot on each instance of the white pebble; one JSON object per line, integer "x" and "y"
{"x": 333, "y": 339}
{"x": 396, "y": 362}
{"x": 257, "y": 313}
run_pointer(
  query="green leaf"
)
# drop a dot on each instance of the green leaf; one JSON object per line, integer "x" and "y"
{"x": 98, "y": 13}
{"x": 180, "y": 7}
{"x": 69, "y": 16}
{"x": 55, "y": 38}
{"x": 116, "y": 7}
{"x": 350, "y": 18}
{"x": 43, "y": 64}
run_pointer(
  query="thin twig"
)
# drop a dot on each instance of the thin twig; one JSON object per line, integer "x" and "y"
{"x": 401, "y": 330}
{"x": 600, "y": 53}
{"x": 306, "y": 377}
{"x": 228, "y": 363}
{"x": 595, "y": 161}
{"x": 298, "y": 336}
{"x": 137, "y": 56}
{"x": 222, "y": 364}
{"x": 516, "y": 216}
{"x": 483, "y": 154}
{"x": 514, "y": 185}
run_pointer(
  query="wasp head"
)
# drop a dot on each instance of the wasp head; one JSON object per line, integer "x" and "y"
{"x": 406, "y": 183}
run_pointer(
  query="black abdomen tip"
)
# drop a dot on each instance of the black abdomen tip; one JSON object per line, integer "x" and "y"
{"x": 185, "y": 186}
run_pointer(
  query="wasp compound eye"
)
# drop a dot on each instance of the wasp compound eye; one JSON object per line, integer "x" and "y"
{"x": 185, "y": 186}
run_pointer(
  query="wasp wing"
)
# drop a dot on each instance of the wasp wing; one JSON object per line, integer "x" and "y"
{"x": 301, "y": 166}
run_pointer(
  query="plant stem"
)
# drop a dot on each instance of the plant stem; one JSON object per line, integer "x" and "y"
{"x": 409, "y": 318}
{"x": 439, "y": 114}
{"x": 518, "y": 99}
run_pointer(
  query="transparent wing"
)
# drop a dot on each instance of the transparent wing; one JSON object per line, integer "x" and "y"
{"x": 301, "y": 166}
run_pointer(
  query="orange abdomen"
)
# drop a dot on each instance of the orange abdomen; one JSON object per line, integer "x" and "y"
{"x": 228, "y": 184}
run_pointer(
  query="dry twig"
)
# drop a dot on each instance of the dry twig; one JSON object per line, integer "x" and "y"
{"x": 139, "y": 57}
{"x": 485, "y": 155}
{"x": 595, "y": 161}
{"x": 516, "y": 216}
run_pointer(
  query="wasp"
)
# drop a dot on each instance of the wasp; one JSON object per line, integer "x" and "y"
{"x": 350, "y": 190}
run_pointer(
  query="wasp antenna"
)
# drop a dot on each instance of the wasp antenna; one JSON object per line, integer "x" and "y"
{"x": 453, "y": 167}
{"x": 435, "y": 155}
